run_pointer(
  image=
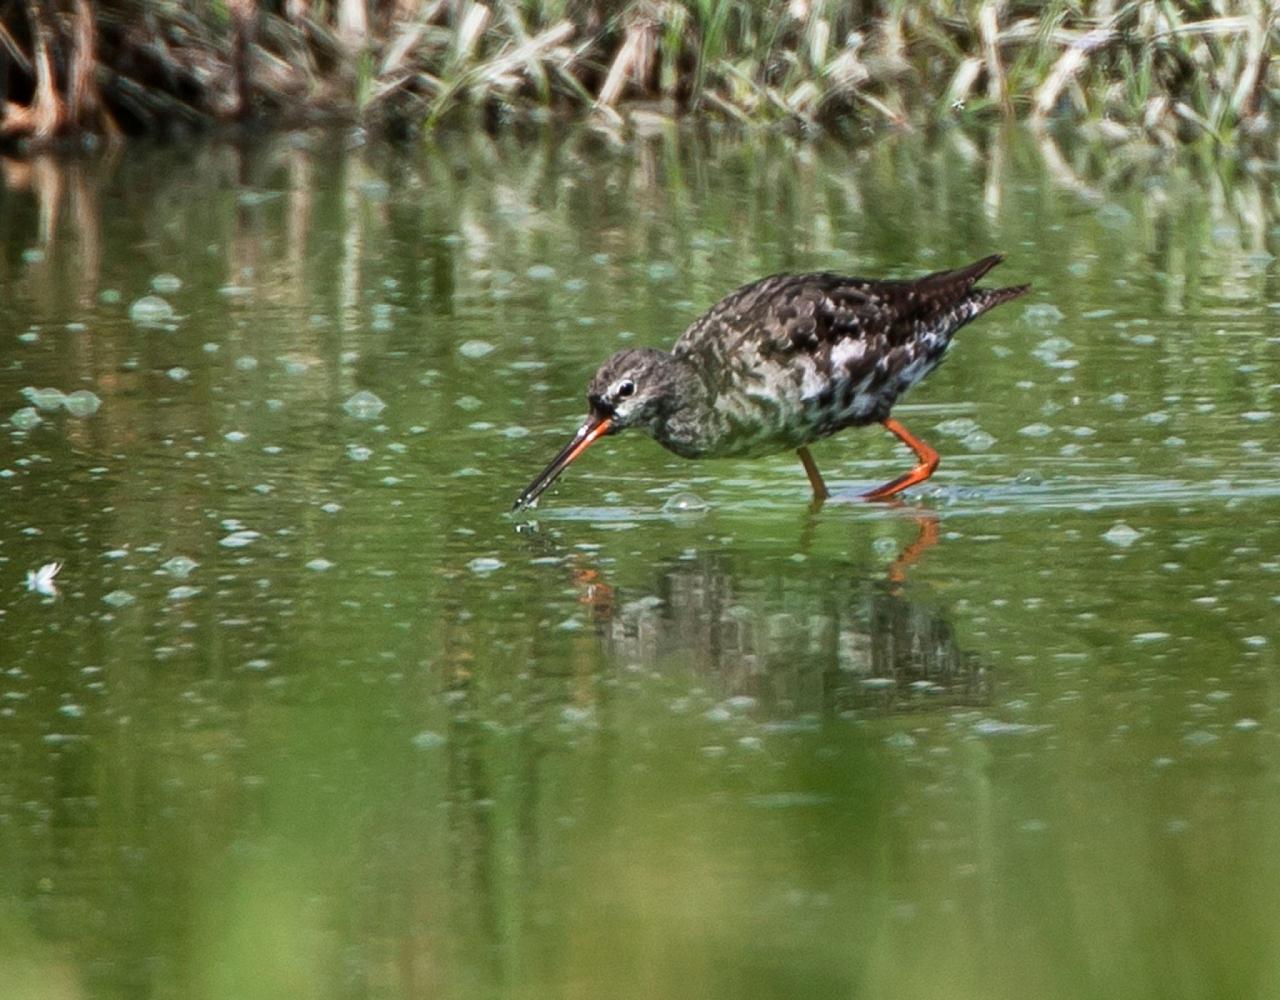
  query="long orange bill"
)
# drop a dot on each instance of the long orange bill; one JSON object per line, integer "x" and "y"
{"x": 594, "y": 428}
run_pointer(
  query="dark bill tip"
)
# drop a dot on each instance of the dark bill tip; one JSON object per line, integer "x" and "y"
{"x": 595, "y": 427}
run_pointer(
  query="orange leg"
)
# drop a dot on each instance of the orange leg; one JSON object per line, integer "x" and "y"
{"x": 820, "y": 491}
{"x": 928, "y": 462}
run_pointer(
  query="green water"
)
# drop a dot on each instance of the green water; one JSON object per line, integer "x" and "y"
{"x": 312, "y": 716}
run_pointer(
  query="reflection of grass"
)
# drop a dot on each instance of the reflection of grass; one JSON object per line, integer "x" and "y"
{"x": 1143, "y": 68}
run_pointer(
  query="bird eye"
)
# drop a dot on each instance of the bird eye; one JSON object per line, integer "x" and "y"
{"x": 625, "y": 388}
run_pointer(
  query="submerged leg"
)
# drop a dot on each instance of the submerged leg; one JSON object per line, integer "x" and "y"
{"x": 928, "y": 462}
{"x": 820, "y": 491}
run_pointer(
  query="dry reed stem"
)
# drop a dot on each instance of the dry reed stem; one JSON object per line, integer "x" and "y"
{"x": 1069, "y": 64}
{"x": 632, "y": 64}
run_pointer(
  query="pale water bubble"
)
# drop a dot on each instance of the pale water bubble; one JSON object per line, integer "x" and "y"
{"x": 1042, "y": 314}
{"x": 151, "y": 310}
{"x": 978, "y": 440}
{"x": 246, "y": 363}
{"x": 1035, "y": 430}
{"x": 25, "y": 418}
{"x": 238, "y": 539}
{"x": 485, "y": 565}
{"x": 886, "y": 547}
{"x": 541, "y": 272}
{"x": 119, "y": 598}
{"x": 468, "y": 403}
{"x": 578, "y": 715}
{"x": 179, "y": 566}
{"x": 182, "y": 592}
{"x": 957, "y": 427}
{"x": 429, "y": 739}
{"x": 1120, "y": 534}
{"x": 685, "y": 504}
{"x": 251, "y": 198}
{"x": 364, "y": 405}
{"x": 44, "y": 399}
{"x": 166, "y": 284}
{"x": 235, "y": 437}
{"x": 998, "y": 727}
{"x": 1114, "y": 216}
{"x": 476, "y": 349}
{"x": 319, "y": 565}
{"x": 358, "y": 452}
{"x": 178, "y": 373}
{"x": 82, "y": 403}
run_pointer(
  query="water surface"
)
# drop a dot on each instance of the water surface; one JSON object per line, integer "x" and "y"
{"x": 311, "y": 715}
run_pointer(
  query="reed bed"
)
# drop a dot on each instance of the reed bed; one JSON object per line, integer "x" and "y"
{"x": 1159, "y": 71}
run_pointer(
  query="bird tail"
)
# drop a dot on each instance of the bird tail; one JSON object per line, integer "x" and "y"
{"x": 958, "y": 286}
{"x": 983, "y": 299}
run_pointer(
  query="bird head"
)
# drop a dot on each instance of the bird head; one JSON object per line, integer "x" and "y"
{"x": 632, "y": 389}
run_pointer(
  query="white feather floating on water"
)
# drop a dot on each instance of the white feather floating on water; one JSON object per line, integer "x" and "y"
{"x": 41, "y": 581}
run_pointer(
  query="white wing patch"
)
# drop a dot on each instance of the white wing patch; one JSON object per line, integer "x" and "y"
{"x": 846, "y": 352}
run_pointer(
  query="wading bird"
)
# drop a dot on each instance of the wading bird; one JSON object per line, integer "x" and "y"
{"x": 783, "y": 362}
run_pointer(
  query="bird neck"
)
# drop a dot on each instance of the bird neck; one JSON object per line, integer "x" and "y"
{"x": 684, "y": 422}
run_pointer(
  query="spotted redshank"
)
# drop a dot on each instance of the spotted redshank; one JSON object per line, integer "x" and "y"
{"x": 783, "y": 362}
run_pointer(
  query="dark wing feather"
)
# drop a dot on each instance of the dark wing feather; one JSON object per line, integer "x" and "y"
{"x": 789, "y": 313}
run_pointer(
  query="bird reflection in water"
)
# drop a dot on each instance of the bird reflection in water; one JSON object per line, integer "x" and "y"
{"x": 814, "y": 636}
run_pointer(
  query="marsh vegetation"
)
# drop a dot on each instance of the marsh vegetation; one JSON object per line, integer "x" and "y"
{"x": 1138, "y": 70}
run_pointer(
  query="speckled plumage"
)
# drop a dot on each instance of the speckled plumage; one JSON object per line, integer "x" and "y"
{"x": 785, "y": 361}
{"x": 793, "y": 358}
